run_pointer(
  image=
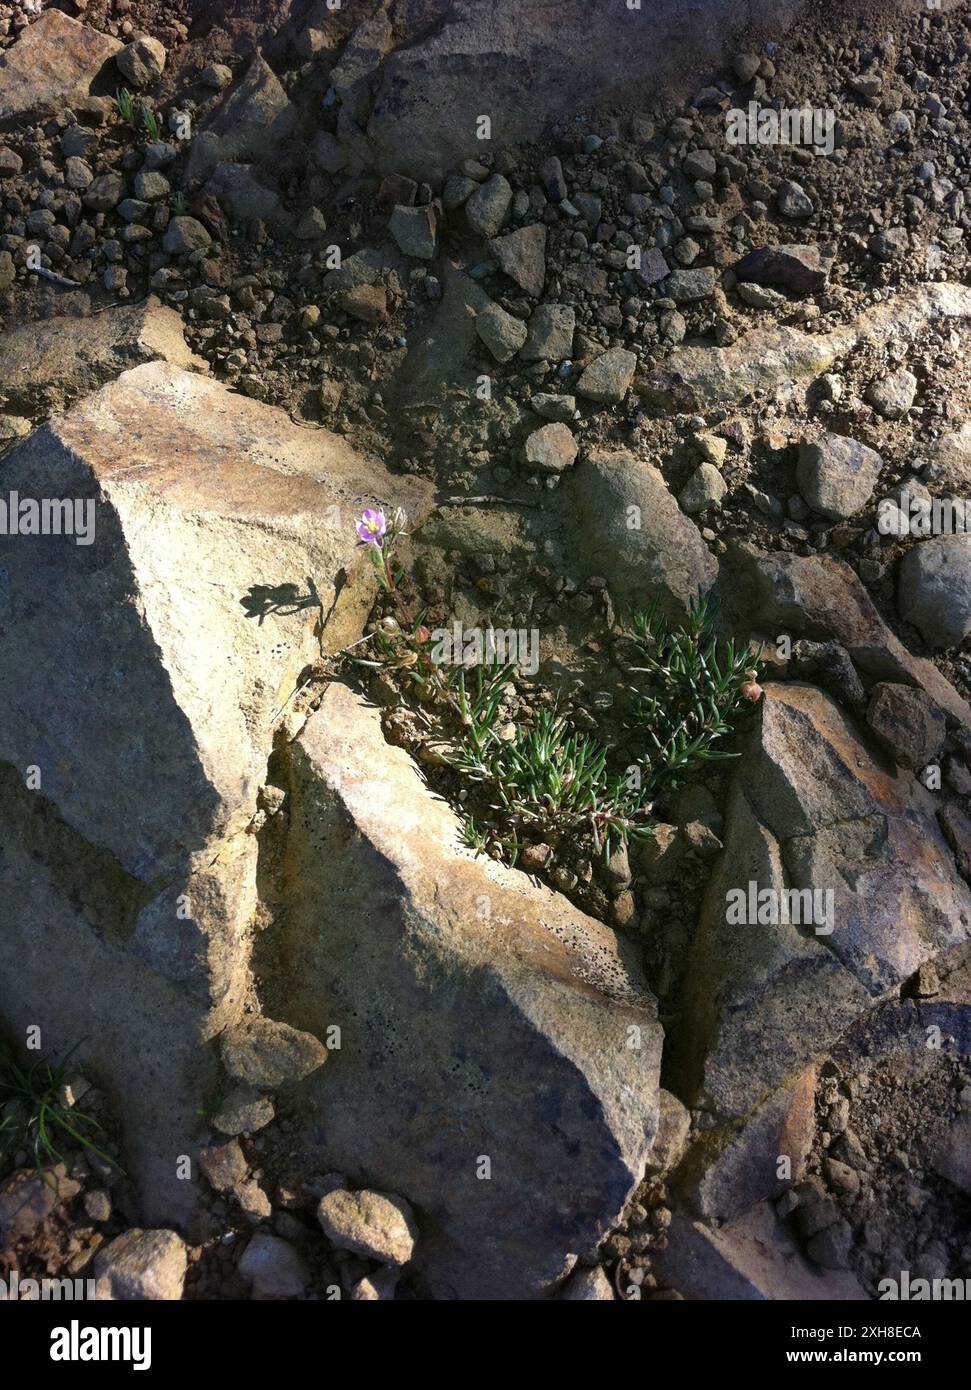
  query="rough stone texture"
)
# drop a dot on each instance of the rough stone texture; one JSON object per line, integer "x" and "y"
{"x": 273, "y": 1268}
{"x": 950, "y": 457}
{"x": 253, "y": 123}
{"x": 788, "y": 359}
{"x": 502, "y": 333}
{"x": 27, "y": 1199}
{"x": 608, "y": 377}
{"x": 53, "y": 64}
{"x": 934, "y": 591}
{"x": 752, "y": 1259}
{"x": 247, "y": 196}
{"x": 588, "y": 1286}
{"x": 952, "y": 1158}
{"x": 519, "y": 1013}
{"x": 522, "y": 255}
{"x": 43, "y": 364}
{"x": 486, "y": 210}
{"x": 372, "y": 1224}
{"x": 142, "y": 61}
{"x": 628, "y": 527}
{"x": 550, "y": 333}
{"x": 263, "y": 1053}
{"x": 820, "y": 597}
{"x": 551, "y": 449}
{"x": 892, "y": 396}
{"x": 141, "y": 1265}
{"x": 803, "y": 269}
{"x": 907, "y": 722}
{"x": 811, "y": 809}
{"x": 837, "y": 475}
{"x": 213, "y": 514}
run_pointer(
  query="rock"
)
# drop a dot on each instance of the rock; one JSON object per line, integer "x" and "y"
{"x": 750, "y": 1259}
{"x": 793, "y": 201}
{"x": 950, "y": 460}
{"x": 10, "y": 162}
{"x": 705, "y": 488}
{"x": 892, "y": 396}
{"x": 243, "y": 1111}
{"x": 141, "y": 1265}
{"x": 197, "y": 563}
{"x": 837, "y": 475}
{"x": 686, "y": 286}
{"x": 53, "y": 64}
{"x": 414, "y": 229}
{"x": 371, "y": 1224}
{"x": 522, "y": 256}
{"x": 104, "y": 193}
{"x": 811, "y": 811}
{"x": 253, "y": 123}
{"x": 951, "y": 1158}
{"x": 760, "y": 296}
{"x": 784, "y": 360}
{"x": 368, "y": 303}
{"x": 8, "y": 271}
{"x": 700, "y": 164}
{"x": 907, "y": 722}
{"x": 97, "y": 1206}
{"x": 502, "y": 334}
{"x": 151, "y": 186}
{"x": 488, "y": 206}
{"x": 746, "y": 66}
{"x": 43, "y": 364}
{"x": 830, "y": 1248}
{"x": 552, "y": 407}
{"x": 889, "y": 245}
{"x": 627, "y": 526}
{"x": 712, "y": 448}
{"x": 543, "y": 1002}
{"x": 934, "y": 589}
{"x": 821, "y": 596}
{"x": 653, "y": 267}
{"x": 142, "y": 61}
{"x": 802, "y": 269}
{"x": 608, "y": 377}
{"x": 248, "y": 198}
{"x": 224, "y": 1165}
{"x": 673, "y": 1125}
{"x": 550, "y": 333}
{"x": 185, "y": 235}
{"x": 588, "y": 1286}
{"x": 273, "y": 1269}
{"x": 27, "y": 1199}
{"x": 265, "y": 1054}
{"x": 329, "y": 154}
{"x": 551, "y": 449}
{"x": 217, "y": 76}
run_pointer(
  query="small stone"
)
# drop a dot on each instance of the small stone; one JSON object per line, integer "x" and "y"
{"x": 372, "y": 1224}
{"x": 711, "y": 447}
{"x": 502, "y": 333}
{"x": 141, "y": 1265}
{"x": 907, "y": 722}
{"x": 97, "y": 1206}
{"x": 105, "y": 193}
{"x": 700, "y": 164}
{"x": 793, "y": 201}
{"x": 934, "y": 591}
{"x": 550, "y": 333}
{"x": 216, "y": 76}
{"x": 686, "y": 286}
{"x": 588, "y": 1286}
{"x": 273, "y": 1269}
{"x": 414, "y": 229}
{"x": 151, "y": 186}
{"x": 760, "y": 296}
{"x": 185, "y": 235}
{"x": 368, "y": 303}
{"x": 837, "y": 475}
{"x": 705, "y": 488}
{"x": 77, "y": 174}
{"x": 142, "y": 61}
{"x": 746, "y": 66}
{"x": 551, "y": 449}
{"x": 265, "y": 1054}
{"x": 488, "y": 206}
{"x": 522, "y": 256}
{"x": 10, "y": 162}
{"x": 552, "y": 407}
{"x": 801, "y": 269}
{"x": 608, "y": 378}
{"x": 892, "y": 396}
{"x": 311, "y": 226}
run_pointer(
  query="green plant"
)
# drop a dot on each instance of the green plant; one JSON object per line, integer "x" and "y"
{"x": 179, "y": 204}
{"x": 696, "y": 684}
{"x": 34, "y": 1117}
{"x": 150, "y": 123}
{"x": 125, "y": 103}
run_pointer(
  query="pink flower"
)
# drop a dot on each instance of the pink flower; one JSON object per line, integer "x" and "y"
{"x": 751, "y": 690}
{"x": 371, "y": 528}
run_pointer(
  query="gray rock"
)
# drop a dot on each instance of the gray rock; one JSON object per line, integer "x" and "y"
{"x": 626, "y": 525}
{"x": 243, "y": 1111}
{"x": 185, "y": 235}
{"x": 608, "y": 377}
{"x": 551, "y": 449}
{"x": 934, "y": 589}
{"x": 53, "y": 64}
{"x": 700, "y": 164}
{"x": 686, "y": 286}
{"x": 273, "y": 1269}
{"x": 550, "y": 333}
{"x": 105, "y": 193}
{"x": 907, "y": 722}
{"x": 553, "y": 407}
{"x": 892, "y": 396}
{"x": 142, "y": 61}
{"x": 674, "y": 1122}
{"x": 458, "y": 190}
{"x": 837, "y": 475}
{"x": 533, "y": 1005}
{"x": 502, "y": 333}
{"x": 803, "y": 269}
{"x": 705, "y": 488}
{"x": 27, "y": 1199}
{"x": 522, "y": 256}
{"x": 890, "y": 245}
{"x": 415, "y": 230}
{"x": 371, "y": 1224}
{"x": 253, "y": 123}
{"x": 263, "y": 1053}
{"x": 329, "y": 154}
{"x": 588, "y": 1286}
{"x": 141, "y": 1265}
{"x": 488, "y": 206}
{"x": 247, "y": 196}
{"x": 793, "y": 201}
{"x": 951, "y": 1157}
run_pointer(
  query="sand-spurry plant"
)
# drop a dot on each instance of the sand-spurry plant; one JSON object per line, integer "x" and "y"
{"x": 36, "y": 1118}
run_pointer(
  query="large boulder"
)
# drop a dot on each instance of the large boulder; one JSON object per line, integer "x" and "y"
{"x": 498, "y": 1060}
{"x": 811, "y": 809}
{"x": 627, "y": 526}
{"x": 55, "y": 62}
{"x": 146, "y": 659}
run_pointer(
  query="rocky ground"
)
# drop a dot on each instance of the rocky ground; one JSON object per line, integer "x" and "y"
{"x": 753, "y": 347}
